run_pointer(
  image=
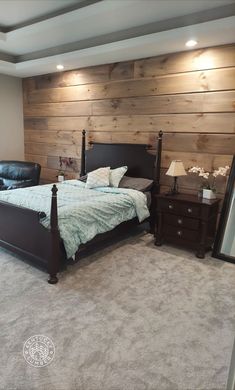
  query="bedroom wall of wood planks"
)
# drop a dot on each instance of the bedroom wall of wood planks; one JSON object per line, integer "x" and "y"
{"x": 188, "y": 95}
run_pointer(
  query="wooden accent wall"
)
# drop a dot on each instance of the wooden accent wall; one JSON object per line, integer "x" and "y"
{"x": 188, "y": 95}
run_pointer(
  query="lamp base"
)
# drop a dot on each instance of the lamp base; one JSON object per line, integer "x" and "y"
{"x": 174, "y": 190}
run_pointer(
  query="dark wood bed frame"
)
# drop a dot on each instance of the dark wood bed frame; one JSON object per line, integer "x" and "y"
{"x": 21, "y": 231}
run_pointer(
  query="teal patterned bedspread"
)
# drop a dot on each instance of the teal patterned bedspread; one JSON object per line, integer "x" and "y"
{"x": 82, "y": 213}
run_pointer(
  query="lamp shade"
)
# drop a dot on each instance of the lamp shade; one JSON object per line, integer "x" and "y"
{"x": 176, "y": 169}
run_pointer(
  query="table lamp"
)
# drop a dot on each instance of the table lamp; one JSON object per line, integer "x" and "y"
{"x": 176, "y": 169}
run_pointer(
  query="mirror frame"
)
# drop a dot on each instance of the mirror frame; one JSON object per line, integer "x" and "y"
{"x": 223, "y": 218}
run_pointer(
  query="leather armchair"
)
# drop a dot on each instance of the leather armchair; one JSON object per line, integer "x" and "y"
{"x": 18, "y": 174}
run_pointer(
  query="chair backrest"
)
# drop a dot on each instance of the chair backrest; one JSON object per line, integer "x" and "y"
{"x": 19, "y": 173}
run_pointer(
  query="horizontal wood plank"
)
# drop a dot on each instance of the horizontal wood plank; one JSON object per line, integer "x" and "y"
{"x": 187, "y": 103}
{"x": 51, "y": 175}
{"x": 55, "y": 149}
{"x": 42, "y": 160}
{"x": 195, "y": 123}
{"x": 177, "y": 142}
{"x": 94, "y": 74}
{"x": 211, "y": 80}
{"x": 73, "y": 77}
{"x": 60, "y": 137}
{"x": 204, "y": 143}
{"x": 121, "y": 70}
{"x": 58, "y": 109}
{"x": 193, "y": 60}
{"x": 208, "y": 161}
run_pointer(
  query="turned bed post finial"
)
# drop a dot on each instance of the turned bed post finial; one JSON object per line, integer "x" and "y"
{"x": 53, "y": 262}
{"x": 83, "y": 154}
{"x": 157, "y": 170}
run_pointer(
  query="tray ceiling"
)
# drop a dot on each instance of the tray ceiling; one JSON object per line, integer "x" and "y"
{"x": 37, "y": 35}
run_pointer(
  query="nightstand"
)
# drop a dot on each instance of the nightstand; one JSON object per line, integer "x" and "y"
{"x": 186, "y": 220}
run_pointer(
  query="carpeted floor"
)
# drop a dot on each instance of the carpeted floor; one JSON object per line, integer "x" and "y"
{"x": 131, "y": 317}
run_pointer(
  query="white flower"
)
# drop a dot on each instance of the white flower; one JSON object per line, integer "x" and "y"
{"x": 195, "y": 169}
{"x": 221, "y": 171}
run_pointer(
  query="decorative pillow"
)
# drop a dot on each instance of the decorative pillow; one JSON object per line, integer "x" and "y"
{"x": 116, "y": 175}
{"x": 98, "y": 178}
{"x": 136, "y": 183}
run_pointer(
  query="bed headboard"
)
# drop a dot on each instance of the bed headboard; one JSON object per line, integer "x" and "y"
{"x": 136, "y": 156}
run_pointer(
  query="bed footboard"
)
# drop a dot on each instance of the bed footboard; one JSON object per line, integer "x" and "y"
{"x": 21, "y": 232}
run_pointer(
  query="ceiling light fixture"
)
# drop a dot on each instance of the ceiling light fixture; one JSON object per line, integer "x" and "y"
{"x": 60, "y": 67}
{"x": 191, "y": 43}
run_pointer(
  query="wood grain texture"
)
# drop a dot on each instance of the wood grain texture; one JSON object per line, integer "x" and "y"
{"x": 60, "y": 137}
{"x": 174, "y": 104}
{"x": 58, "y": 109}
{"x": 42, "y": 160}
{"x": 206, "y": 160}
{"x": 210, "y": 80}
{"x": 53, "y": 149}
{"x": 116, "y": 71}
{"x": 50, "y": 175}
{"x": 193, "y": 123}
{"x": 188, "y": 95}
{"x": 210, "y": 58}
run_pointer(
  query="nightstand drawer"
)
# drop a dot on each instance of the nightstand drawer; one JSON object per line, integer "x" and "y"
{"x": 180, "y": 233}
{"x": 180, "y": 221}
{"x": 190, "y": 210}
{"x": 169, "y": 206}
{"x": 180, "y": 208}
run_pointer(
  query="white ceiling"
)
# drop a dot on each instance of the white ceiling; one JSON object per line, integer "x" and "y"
{"x": 14, "y": 12}
{"x": 36, "y": 35}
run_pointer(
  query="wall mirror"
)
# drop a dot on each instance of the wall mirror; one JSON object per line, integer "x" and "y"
{"x": 224, "y": 247}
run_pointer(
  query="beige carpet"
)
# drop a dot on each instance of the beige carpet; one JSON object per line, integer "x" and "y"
{"x": 131, "y": 317}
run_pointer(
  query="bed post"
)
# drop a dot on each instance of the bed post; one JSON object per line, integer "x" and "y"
{"x": 83, "y": 156}
{"x": 157, "y": 169}
{"x": 53, "y": 262}
{"x": 156, "y": 179}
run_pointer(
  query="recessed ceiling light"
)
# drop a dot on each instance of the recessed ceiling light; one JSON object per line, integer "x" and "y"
{"x": 60, "y": 67}
{"x": 191, "y": 43}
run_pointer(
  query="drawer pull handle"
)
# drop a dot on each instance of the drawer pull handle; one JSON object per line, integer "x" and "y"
{"x": 179, "y": 233}
{"x": 180, "y": 221}
{"x": 190, "y": 210}
{"x": 170, "y": 206}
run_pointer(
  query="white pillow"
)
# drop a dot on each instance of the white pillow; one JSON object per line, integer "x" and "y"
{"x": 98, "y": 178}
{"x": 116, "y": 175}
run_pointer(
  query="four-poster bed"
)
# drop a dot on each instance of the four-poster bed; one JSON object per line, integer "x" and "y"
{"x": 20, "y": 227}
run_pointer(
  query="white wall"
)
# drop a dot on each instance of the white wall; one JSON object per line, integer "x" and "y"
{"x": 11, "y": 119}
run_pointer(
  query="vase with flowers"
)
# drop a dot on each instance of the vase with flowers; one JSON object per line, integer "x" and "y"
{"x": 208, "y": 186}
